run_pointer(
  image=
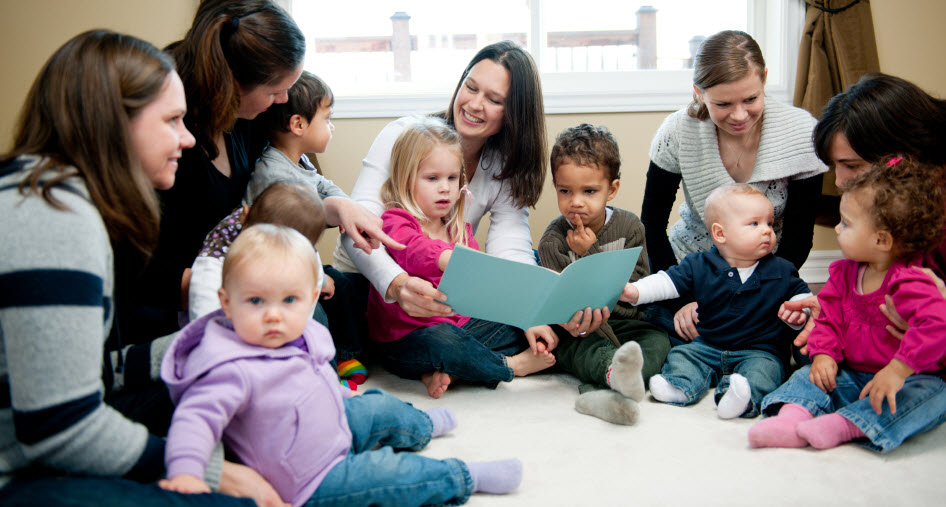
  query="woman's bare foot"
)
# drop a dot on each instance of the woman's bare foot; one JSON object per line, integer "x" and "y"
{"x": 436, "y": 382}
{"x": 527, "y": 363}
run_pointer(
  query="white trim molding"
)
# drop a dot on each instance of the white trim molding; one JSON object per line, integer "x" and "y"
{"x": 815, "y": 269}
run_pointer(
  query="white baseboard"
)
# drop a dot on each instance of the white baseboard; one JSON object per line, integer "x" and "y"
{"x": 815, "y": 269}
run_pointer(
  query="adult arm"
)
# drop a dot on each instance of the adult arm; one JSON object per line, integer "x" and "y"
{"x": 206, "y": 277}
{"x": 660, "y": 192}
{"x": 798, "y": 221}
{"x": 56, "y": 302}
{"x": 509, "y": 235}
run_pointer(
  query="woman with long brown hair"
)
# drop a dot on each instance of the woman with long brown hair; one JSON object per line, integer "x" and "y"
{"x": 100, "y": 128}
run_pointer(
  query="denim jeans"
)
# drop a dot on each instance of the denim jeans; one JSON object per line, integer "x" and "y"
{"x": 384, "y": 477}
{"x": 695, "y": 367}
{"x": 475, "y": 352}
{"x": 111, "y": 491}
{"x": 921, "y": 405}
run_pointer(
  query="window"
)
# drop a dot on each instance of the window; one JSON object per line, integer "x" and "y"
{"x": 383, "y": 58}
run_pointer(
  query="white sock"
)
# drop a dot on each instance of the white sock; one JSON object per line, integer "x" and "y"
{"x": 734, "y": 403}
{"x": 664, "y": 391}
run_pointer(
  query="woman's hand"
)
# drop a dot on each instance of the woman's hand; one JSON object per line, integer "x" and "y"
{"x": 810, "y": 302}
{"x": 587, "y": 321}
{"x": 243, "y": 481}
{"x": 885, "y": 385}
{"x": 898, "y": 326}
{"x": 684, "y": 322}
{"x": 361, "y": 225}
{"x": 418, "y": 297}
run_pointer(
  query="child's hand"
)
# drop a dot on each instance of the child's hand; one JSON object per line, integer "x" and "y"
{"x": 824, "y": 370}
{"x": 792, "y": 317}
{"x": 542, "y": 340}
{"x": 184, "y": 483}
{"x": 885, "y": 385}
{"x": 328, "y": 290}
{"x": 630, "y": 294}
{"x": 580, "y": 238}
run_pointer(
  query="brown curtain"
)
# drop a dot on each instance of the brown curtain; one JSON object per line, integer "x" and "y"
{"x": 837, "y": 48}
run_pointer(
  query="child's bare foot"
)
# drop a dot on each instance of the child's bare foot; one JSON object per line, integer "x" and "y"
{"x": 436, "y": 382}
{"x": 541, "y": 347}
{"x": 527, "y": 363}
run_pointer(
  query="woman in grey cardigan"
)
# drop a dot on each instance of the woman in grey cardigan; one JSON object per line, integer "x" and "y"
{"x": 747, "y": 139}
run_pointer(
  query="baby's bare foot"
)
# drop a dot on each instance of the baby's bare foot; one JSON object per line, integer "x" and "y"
{"x": 436, "y": 382}
{"x": 527, "y": 363}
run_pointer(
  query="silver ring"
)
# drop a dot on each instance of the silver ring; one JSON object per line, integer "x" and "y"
{"x": 583, "y": 333}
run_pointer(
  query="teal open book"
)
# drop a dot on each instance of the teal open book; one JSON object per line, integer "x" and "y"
{"x": 486, "y": 287}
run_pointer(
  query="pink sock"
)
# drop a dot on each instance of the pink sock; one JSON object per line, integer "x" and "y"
{"x": 779, "y": 431}
{"x": 828, "y": 431}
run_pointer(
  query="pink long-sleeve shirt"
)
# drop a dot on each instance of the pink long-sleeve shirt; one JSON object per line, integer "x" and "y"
{"x": 388, "y": 321}
{"x": 852, "y": 329}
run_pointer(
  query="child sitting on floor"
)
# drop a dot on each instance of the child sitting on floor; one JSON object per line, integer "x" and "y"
{"x": 890, "y": 216}
{"x": 303, "y": 125}
{"x": 743, "y": 347}
{"x": 257, "y": 373}
{"x": 425, "y": 213}
{"x": 586, "y": 172}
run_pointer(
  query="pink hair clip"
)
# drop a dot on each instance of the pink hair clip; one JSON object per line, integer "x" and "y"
{"x": 894, "y": 161}
{"x": 466, "y": 189}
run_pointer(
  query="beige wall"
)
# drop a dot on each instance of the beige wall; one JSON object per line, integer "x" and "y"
{"x": 909, "y": 34}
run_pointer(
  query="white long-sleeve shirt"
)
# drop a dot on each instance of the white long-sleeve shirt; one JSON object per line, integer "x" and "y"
{"x": 508, "y": 237}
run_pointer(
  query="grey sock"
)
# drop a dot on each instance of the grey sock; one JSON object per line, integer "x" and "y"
{"x": 624, "y": 375}
{"x": 608, "y": 405}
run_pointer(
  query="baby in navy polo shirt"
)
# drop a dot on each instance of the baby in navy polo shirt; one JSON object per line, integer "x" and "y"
{"x": 743, "y": 346}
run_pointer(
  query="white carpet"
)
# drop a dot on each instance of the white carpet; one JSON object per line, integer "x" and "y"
{"x": 672, "y": 456}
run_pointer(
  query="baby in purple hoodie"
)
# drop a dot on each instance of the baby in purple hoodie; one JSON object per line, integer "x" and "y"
{"x": 257, "y": 374}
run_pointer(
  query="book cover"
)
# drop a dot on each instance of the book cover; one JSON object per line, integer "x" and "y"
{"x": 500, "y": 290}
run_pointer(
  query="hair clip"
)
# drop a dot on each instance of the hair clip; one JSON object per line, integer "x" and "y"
{"x": 894, "y": 161}
{"x": 466, "y": 189}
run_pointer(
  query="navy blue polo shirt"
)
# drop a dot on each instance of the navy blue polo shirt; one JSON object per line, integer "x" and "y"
{"x": 736, "y": 315}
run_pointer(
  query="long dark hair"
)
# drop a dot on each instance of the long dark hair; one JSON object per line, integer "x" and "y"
{"x": 521, "y": 143}
{"x": 884, "y": 115}
{"x": 232, "y": 44}
{"x": 76, "y": 118}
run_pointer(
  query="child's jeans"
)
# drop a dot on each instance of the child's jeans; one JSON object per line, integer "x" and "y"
{"x": 382, "y": 476}
{"x": 921, "y": 405}
{"x": 475, "y": 352}
{"x": 695, "y": 367}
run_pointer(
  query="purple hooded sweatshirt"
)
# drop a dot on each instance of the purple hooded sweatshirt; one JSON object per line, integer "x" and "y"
{"x": 279, "y": 410}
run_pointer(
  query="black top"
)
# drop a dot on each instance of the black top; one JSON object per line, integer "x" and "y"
{"x": 200, "y": 198}
{"x": 660, "y": 191}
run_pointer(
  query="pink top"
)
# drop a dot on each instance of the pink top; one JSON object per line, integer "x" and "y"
{"x": 388, "y": 321}
{"x": 852, "y": 329}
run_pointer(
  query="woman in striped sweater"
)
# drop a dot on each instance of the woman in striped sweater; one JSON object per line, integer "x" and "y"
{"x": 100, "y": 129}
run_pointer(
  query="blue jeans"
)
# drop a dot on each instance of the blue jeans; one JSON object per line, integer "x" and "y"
{"x": 93, "y": 491}
{"x": 384, "y": 477}
{"x": 475, "y": 352}
{"x": 696, "y": 366}
{"x": 921, "y": 405}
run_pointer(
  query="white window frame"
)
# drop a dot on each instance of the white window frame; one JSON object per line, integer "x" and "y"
{"x": 775, "y": 24}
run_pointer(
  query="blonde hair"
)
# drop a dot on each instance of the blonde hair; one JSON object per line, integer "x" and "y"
{"x": 269, "y": 240}
{"x": 715, "y": 201}
{"x": 414, "y": 144}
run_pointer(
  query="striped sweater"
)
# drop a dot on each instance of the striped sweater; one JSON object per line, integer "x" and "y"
{"x": 56, "y": 283}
